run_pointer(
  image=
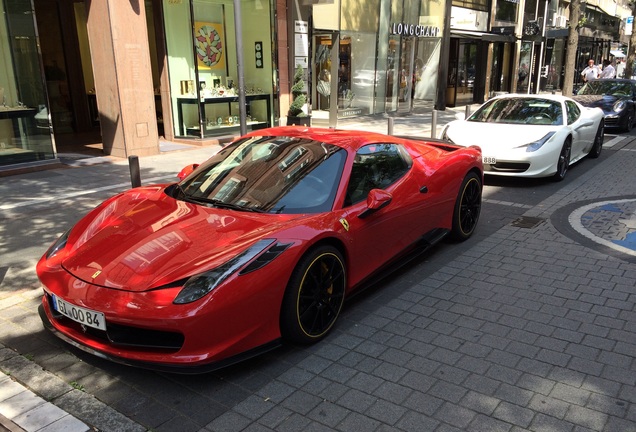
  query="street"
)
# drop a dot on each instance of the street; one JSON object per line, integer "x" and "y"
{"x": 511, "y": 330}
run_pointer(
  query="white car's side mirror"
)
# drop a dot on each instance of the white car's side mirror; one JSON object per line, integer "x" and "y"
{"x": 460, "y": 116}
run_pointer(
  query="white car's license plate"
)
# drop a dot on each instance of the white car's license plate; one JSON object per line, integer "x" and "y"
{"x": 489, "y": 160}
{"x": 82, "y": 315}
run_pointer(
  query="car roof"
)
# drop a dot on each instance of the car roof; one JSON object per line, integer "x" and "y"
{"x": 349, "y": 139}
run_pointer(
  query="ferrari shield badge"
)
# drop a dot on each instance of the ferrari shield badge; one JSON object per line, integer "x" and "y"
{"x": 97, "y": 273}
{"x": 345, "y": 224}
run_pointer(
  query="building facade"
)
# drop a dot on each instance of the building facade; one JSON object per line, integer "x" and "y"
{"x": 118, "y": 75}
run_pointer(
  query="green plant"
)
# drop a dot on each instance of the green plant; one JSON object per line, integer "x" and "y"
{"x": 297, "y": 90}
{"x": 77, "y": 385}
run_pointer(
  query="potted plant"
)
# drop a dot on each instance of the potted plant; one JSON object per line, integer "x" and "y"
{"x": 296, "y": 115}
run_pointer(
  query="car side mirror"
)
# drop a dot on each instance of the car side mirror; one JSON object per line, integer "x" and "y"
{"x": 460, "y": 116}
{"x": 376, "y": 200}
{"x": 187, "y": 171}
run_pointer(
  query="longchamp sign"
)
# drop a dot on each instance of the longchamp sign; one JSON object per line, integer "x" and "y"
{"x": 404, "y": 29}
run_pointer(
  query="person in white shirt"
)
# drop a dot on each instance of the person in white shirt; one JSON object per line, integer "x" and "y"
{"x": 591, "y": 72}
{"x": 608, "y": 70}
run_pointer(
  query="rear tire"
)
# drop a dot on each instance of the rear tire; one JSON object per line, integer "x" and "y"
{"x": 314, "y": 296}
{"x": 467, "y": 207}
{"x": 597, "y": 147}
{"x": 564, "y": 160}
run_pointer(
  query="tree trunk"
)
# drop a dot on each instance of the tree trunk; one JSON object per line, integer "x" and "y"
{"x": 573, "y": 44}
{"x": 631, "y": 54}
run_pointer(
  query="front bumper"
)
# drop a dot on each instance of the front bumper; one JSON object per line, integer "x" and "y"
{"x": 161, "y": 367}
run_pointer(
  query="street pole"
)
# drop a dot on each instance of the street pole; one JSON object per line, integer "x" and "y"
{"x": 240, "y": 65}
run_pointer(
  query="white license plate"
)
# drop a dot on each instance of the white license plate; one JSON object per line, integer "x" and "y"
{"x": 489, "y": 160}
{"x": 81, "y": 315}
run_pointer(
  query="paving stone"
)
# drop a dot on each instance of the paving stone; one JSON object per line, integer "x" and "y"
{"x": 513, "y": 414}
{"x": 586, "y": 417}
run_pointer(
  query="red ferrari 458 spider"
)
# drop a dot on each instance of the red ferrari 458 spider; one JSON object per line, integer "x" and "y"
{"x": 261, "y": 243}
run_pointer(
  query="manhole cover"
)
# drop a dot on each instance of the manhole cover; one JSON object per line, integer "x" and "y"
{"x": 527, "y": 222}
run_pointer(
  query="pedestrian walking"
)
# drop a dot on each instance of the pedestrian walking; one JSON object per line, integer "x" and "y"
{"x": 591, "y": 72}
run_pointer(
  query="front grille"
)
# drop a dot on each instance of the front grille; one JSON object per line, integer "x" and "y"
{"x": 121, "y": 335}
{"x": 612, "y": 122}
{"x": 513, "y": 167}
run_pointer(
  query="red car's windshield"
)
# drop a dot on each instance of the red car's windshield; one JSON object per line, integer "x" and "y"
{"x": 269, "y": 174}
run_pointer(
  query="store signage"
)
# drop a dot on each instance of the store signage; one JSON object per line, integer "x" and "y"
{"x": 404, "y": 29}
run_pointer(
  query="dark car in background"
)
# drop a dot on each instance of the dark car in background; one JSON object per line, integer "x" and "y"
{"x": 616, "y": 97}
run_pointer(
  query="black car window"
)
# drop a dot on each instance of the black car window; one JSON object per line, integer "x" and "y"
{"x": 573, "y": 111}
{"x": 607, "y": 87}
{"x": 376, "y": 166}
{"x": 277, "y": 174}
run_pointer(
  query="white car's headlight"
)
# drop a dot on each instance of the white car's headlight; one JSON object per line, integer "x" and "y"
{"x": 199, "y": 285}
{"x": 536, "y": 145}
{"x": 444, "y": 134}
{"x": 619, "y": 106}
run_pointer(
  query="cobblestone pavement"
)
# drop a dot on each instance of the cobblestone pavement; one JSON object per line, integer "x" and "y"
{"x": 532, "y": 328}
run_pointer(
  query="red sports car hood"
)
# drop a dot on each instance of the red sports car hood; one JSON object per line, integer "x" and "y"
{"x": 143, "y": 239}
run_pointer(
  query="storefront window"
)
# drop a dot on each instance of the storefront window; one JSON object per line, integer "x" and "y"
{"x": 25, "y": 134}
{"x": 202, "y": 62}
{"x": 524, "y": 76}
{"x": 506, "y": 10}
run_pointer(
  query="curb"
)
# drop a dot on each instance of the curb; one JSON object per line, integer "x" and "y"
{"x": 52, "y": 398}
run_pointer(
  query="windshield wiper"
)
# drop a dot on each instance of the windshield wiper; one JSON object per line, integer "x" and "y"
{"x": 222, "y": 204}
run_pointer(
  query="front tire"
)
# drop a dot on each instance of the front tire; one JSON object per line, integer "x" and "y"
{"x": 598, "y": 141}
{"x": 314, "y": 296}
{"x": 467, "y": 207}
{"x": 564, "y": 160}
{"x": 629, "y": 122}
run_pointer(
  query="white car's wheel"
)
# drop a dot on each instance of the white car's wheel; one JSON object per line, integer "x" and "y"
{"x": 598, "y": 142}
{"x": 564, "y": 160}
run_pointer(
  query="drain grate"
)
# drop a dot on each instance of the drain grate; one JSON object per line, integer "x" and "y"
{"x": 527, "y": 222}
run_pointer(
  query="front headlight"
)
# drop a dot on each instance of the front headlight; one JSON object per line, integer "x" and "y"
{"x": 619, "y": 106}
{"x": 199, "y": 285}
{"x": 58, "y": 245}
{"x": 536, "y": 145}
{"x": 444, "y": 134}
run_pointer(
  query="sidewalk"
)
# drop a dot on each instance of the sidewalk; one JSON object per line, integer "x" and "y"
{"x": 532, "y": 329}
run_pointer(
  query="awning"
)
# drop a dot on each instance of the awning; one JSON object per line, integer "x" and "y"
{"x": 617, "y": 53}
{"x": 490, "y": 37}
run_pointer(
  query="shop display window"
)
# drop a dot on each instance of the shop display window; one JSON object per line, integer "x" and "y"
{"x": 202, "y": 61}
{"x": 25, "y": 133}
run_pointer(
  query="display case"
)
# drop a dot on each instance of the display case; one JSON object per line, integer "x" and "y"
{"x": 224, "y": 118}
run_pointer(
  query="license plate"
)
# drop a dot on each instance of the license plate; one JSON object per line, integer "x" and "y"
{"x": 489, "y": 160}
{"x": 81, "y": 315}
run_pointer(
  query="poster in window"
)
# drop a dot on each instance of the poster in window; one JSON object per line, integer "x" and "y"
{"x": 210, "y": 46}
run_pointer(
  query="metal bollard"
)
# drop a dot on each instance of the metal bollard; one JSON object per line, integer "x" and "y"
{"x": 135, "y": 175}
{"x": 467, "y": 111}
{"x": 390, "y": 126}
{"x": 434, "y": 124}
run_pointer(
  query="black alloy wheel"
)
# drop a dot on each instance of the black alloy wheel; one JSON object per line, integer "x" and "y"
{"x": 598, "y": 141}
{"x": 467, "y": 207}
{"x": 564, "y": 160}
{"x": 314, "y": 296}
{"x": 629, "y": 121}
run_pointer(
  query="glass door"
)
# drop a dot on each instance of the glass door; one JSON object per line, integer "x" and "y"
{"x": 406, "y": 74}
